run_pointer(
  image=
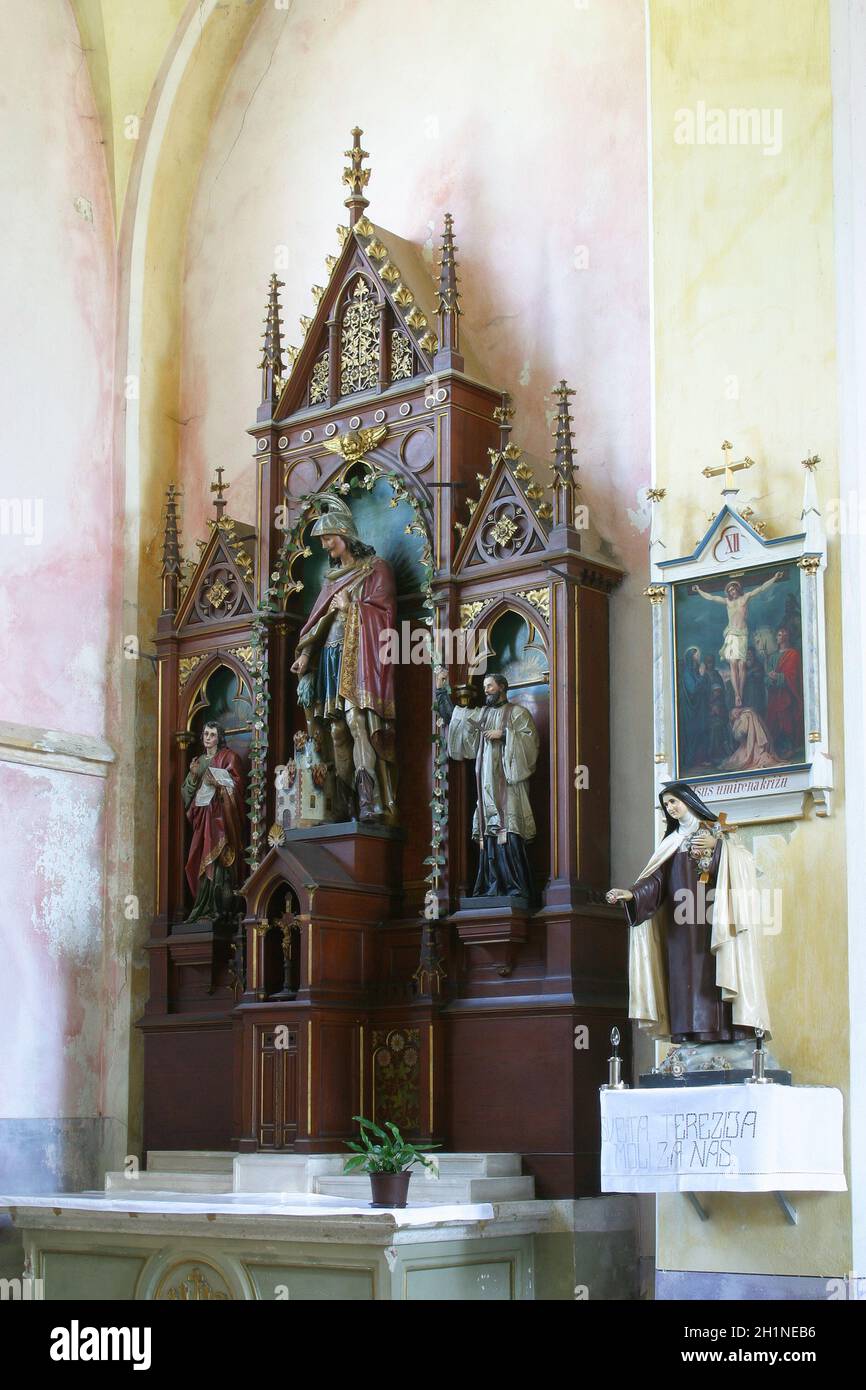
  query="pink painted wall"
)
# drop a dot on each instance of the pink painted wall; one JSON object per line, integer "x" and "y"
{"x": 50, "y": 984}
{"x": 56, "y": 305}
{"x": 57, "y": 573}
{"x": 528, "y": 123}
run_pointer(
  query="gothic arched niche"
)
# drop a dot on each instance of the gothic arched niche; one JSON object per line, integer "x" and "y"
{"x": 514, "y": 646}
{"x": 281, "y": 964}
{"x": 224, "y": 698}
{"x": 382, "y": 525}
{"x": 517, "y": 649}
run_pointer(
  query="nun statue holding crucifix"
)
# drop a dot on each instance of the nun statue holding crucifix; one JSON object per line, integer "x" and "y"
{"x": 695, "y": 930}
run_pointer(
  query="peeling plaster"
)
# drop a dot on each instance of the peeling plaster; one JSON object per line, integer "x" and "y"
{"x": 641, "y": 516}
{"x": 86, "y": 673}
{"x": 69, "y": 912}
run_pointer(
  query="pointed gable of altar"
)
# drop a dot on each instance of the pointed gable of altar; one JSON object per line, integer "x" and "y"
{"x": 374, "y": 324}
{"x": 222, "y": 584}
{"x": 507, "y": 520}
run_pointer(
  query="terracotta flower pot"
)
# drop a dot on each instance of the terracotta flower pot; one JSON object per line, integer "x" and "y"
{"x": 390, "y": 1189}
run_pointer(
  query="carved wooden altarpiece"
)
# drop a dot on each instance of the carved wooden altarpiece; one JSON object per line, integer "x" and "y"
{"x": 324, "y": 991}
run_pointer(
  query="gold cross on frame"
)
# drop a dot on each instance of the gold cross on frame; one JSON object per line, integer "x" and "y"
{"x": 728, "y": 468}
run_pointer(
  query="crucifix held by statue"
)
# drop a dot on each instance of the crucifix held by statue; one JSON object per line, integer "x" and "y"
{"x": 694, "y": 914}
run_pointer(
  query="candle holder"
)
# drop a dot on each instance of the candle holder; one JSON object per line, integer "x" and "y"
{"x": 614, "y": 1066}
{"x": 759, "y": 1061}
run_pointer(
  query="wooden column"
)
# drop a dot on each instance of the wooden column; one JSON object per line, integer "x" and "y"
{"x": 561, "y": 890}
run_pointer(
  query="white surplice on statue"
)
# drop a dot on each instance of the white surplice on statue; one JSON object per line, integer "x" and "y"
{"x": 728, "y": 1138}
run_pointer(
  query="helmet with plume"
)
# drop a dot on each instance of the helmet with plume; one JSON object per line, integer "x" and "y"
{"x": 334, "y": 517}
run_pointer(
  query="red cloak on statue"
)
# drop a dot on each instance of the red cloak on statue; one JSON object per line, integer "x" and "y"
{"x": 364, "y": 678}
{"x": 218, "y": 827}
{"x": 785, "y": 702}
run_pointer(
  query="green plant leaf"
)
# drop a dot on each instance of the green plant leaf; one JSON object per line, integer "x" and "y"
{"x": 368, "y": 1124}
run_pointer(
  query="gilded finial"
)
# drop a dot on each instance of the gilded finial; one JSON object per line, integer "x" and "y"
{"x": 356, "y": 178}
{"x": 219, "y": 487}
{"x": 503, "y": 415}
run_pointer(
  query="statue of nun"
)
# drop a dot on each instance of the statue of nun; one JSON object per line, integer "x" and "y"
{"x": 695, "y": 941}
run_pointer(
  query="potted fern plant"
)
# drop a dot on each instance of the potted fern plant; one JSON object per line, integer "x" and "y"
{"x": 388, "y": 1158}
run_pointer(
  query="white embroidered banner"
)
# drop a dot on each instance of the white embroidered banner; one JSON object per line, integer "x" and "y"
{"x": 722, "y": 1138}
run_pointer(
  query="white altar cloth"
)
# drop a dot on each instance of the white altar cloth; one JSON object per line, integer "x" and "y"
{"x": 735, "y": 1138}
{"x": 244, "y": 1204}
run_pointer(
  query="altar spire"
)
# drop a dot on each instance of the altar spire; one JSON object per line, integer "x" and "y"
{"x": 564, "y": 467}
{"x": 219, "y": 487}
{"x": 503, "y": 415}
{"x": 272, "y": 364}
{"x": 171, "y": 558}
{"x": 448, "y": 302}
{"x": 356, "y": 178}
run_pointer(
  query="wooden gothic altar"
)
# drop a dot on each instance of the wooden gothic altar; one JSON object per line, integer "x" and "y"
{"x": 352, "y": 973}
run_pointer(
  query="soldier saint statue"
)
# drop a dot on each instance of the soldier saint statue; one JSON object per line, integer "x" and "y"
{"x": 344, "y": 685}
{"x": 502, "y": 738}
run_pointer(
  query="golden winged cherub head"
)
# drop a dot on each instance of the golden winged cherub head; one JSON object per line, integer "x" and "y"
{"x": 356, "y": 443}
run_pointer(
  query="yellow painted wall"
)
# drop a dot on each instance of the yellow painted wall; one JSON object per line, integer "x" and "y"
{"x": 744, "y": 350}
{"x": 126, "y": 42}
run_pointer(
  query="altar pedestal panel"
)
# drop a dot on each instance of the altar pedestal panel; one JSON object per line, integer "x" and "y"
{"x": 517, "y": 1081}
{"x": 187, "y": 1096}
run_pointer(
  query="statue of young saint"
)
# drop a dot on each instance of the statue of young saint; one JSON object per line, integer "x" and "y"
{"x": 213, "y": 795}
{"x": 502, "y": 738}
{"x": 343, "y": 679}
{"x": 694, "y": 946}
